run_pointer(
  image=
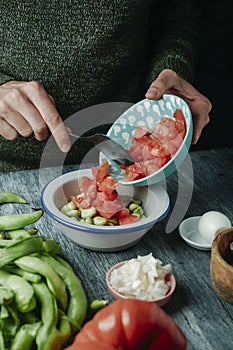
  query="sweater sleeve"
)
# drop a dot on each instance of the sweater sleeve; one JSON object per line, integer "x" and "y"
{"x": 4, "y": 78}
{"x": 176, "y": 33}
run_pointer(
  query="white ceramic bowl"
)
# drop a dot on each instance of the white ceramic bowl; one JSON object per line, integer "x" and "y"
{"x": 57, "y": 192}
{"x": 148, "y": 113}
{"x": 160, "y": 301}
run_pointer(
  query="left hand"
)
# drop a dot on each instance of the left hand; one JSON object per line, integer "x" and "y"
{"x": 168, "y": 82}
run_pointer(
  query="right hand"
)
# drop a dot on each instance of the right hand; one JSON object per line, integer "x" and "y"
{"x": 26, "y": 109}
{"x": 170, "y": 82}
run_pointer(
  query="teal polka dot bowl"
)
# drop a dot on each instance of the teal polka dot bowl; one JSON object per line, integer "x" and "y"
{"x": 148, "y": 113}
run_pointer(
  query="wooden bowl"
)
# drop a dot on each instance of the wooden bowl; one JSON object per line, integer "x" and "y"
{"x": 221, "y": 265}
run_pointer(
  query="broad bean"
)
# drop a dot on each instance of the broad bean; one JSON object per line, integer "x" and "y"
{"x": 11, "y": 197}
{"x": 20, "y": 248}
{"x": 25, "y": 336}
{"x": 55, "y": 283}
{"x": 15, "y": 221}
{"x": 23, "y": 291}
{"x": 77, "y": 307}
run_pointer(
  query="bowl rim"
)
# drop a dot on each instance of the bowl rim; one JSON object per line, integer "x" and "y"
{"x": 162, "y": 299}
{"x": 61, "y": 218}
{"x": 187, "y": 140}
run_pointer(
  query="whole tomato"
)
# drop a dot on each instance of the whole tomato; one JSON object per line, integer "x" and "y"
{"x": 130, "y": 325}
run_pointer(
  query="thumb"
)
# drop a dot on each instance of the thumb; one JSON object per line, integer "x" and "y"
{"x": 165, "y": 81}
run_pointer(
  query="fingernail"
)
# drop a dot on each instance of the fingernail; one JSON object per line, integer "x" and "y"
{"x": 65, "y": 147}
{"x": 152, "y": 93}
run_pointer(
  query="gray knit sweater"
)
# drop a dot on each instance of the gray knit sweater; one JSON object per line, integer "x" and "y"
{"x": 86, "y": 52}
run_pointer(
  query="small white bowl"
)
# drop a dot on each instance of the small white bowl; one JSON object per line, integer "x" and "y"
{"x": 57, "y": 192}
{"x": 148, "y": 113}
{"x": 160, "y": 301}
{"x": 188, "y": 230}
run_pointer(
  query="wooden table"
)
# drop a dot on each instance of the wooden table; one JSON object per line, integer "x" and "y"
{"x": 205, "y": 318}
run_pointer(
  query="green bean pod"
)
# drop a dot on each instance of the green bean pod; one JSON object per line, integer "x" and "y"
{"x": 16, "y": 221}
{"x": 2, "y": 342}
{"x": 97, "y": 304}
{"x": 77, "y": 307}
{"x": 25, "y": 336}
{"x": 20, "y": 248}
{"x": 56, "y": 285}
{"x": 49, "y": 313}
{"x": 51, "y": 246}
{"x": 23, "y": 291}
{"x": 7, "y": 242}
{"x": 20, "y": 233}
{"x": 48, "y": 336}
{"x": 6, "y": 296}
{"x": 11, "y": 197}
{"x": 28, "y": 276}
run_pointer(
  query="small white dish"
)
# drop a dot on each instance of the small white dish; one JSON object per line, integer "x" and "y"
{"x": 188, "y": 230}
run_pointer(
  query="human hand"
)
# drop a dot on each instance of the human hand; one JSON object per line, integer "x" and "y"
{"x": 168, "y": 82}
{"x": 26, "y": 109}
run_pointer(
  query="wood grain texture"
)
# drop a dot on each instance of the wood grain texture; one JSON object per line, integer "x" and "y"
{"x": 205, "y": 318}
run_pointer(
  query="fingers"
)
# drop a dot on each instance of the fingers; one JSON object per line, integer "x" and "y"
{"x": 200, "y": 109}
{"x": 166, "y": 80}
{"x": 28, "y": 109}
{"x": 7, "y": 131}
{"x": 51, "y": 117}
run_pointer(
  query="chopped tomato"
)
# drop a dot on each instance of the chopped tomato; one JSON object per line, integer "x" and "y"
{"x": 134, "y": 172}
{"x": 180, "y": 122}
{"x": 135, "y": 151}
{"x": 165, "y": 132}
{"x": 125, "y": 217}
{"x": 141, "y": 131}
{"x": 76, "y": 200}
{"x": 150, "y": 166}
{"x": 128, "y": 219}
{"x": 179, "y": 117}
{"x": 152, "y": 149}
{"x": 100, "y": 172}
{"x": 85, "y": 183}
{"x": 108, "y": 185}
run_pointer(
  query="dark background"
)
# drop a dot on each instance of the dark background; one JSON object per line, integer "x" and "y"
{"x": 215, "y": 72}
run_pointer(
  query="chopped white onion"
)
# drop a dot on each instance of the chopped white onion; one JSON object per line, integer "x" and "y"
{"x": 142, "y": 278}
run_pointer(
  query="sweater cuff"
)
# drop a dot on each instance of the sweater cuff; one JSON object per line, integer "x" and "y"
{"x": 5, "y": 78}
{"x": 177, "y": 63}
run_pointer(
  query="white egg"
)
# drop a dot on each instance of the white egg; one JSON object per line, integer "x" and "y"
{"x": 211, "y": 223}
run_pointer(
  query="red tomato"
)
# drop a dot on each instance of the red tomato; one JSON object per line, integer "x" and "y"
{"x": 100, "y": 172}
{"x": 151, "y": 166}
{"x": 125, "y": 217}
{"x": 165, "y": 132}
{"x": 134, "y": 172}
{"x": 130, "y": 325}
{"x": 135, "y": 151}
{"x": 141, "y": 131}
{"x": 94, "y": 345}
{"x": 85, "y": 183}
{"x": 108, "y": 185}
{"x": 128, "y": 219}
{"x": 152, "y": 150}
{"x": 106, "y": 208}
{"x": 180, "y": 122}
